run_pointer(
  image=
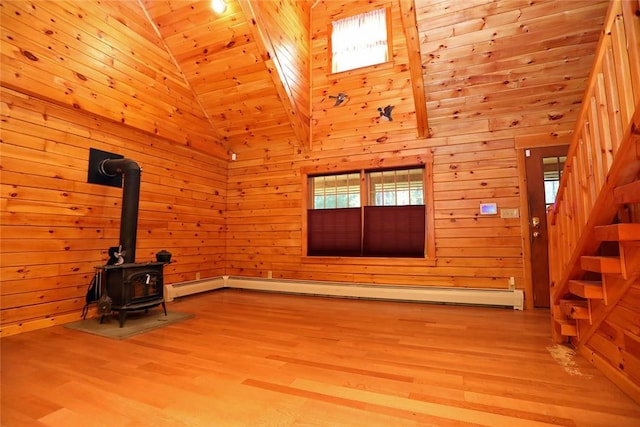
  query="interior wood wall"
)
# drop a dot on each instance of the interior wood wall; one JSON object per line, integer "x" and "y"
{"x": 56, "y": 227}
{"x": 84, "y": 61}
{"x": 489, "y": 72}
{"x": 103, "y": 78}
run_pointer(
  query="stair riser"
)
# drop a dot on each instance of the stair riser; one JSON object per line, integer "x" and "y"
{"x": 629, "y": 193}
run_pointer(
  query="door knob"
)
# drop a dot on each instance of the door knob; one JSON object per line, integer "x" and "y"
{"x": 536, "y": 234}
{"x": 535, "y": 221}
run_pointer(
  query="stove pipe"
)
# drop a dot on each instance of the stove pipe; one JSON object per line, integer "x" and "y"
{"x": 130, "y": 199}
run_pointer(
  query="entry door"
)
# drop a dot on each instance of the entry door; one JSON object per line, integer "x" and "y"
{"x": 544, "y": 168}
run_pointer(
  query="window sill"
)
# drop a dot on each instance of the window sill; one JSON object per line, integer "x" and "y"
{"x": 361, "y": 70}
{"x": 362, "y": 260}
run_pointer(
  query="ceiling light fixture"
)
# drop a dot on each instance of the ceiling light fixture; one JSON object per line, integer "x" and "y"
{"x": 218, "y": 6}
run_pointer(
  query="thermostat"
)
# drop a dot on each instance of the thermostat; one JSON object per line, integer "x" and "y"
{"x": 488, "y": 209}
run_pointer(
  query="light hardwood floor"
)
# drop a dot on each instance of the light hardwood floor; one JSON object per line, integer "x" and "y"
{"x": 262, "y": 359}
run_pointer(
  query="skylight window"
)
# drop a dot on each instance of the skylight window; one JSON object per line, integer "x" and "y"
{"x": 359, "y": 41}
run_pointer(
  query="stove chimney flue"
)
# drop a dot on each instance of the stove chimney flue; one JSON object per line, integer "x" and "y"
{"x": 130, "y": 170}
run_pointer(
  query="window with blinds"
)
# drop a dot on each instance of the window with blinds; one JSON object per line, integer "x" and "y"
{"x": 368, "y": 213}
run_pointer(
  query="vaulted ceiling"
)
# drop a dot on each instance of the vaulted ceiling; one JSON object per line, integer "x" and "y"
{"x": 249, "y": 67}
{"x": 251, "y": 75}
{"x": 241, "y": 79}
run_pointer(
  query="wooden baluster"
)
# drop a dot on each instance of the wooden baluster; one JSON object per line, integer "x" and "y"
{"x": 613, "y": 100}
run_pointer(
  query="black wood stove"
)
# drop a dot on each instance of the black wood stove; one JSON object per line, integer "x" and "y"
{"x": 126, "y": 285}
{"x": 134, "y": 286}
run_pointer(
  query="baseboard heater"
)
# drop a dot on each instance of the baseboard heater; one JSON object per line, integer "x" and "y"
{"x": 183, "y": 289}
{"x": 467, "y": 296}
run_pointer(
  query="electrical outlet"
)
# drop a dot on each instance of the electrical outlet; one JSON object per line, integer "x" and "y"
{"x": 512, "y": 283}
{"x": 269, "y": 274}
{"x": 198, "y": 275}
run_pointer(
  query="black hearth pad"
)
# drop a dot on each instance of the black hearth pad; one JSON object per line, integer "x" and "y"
{"x": 137, "y": 323}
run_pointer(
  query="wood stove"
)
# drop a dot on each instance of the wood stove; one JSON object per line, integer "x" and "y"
{"x": 134, "y": 286}
{"x": 126, "y": 285}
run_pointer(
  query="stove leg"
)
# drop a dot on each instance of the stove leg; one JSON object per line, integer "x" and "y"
{"x": 122, "y": 316}
{"x": 164, "y": 307}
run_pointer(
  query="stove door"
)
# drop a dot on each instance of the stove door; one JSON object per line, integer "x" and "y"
{"x": 144, "y": 285}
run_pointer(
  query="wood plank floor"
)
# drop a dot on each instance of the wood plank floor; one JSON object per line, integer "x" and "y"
{"x": 262, "y": 359}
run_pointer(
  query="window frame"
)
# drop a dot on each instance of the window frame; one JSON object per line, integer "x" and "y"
{"x": 422, "y": 161}
{"x": 363, "y": 68}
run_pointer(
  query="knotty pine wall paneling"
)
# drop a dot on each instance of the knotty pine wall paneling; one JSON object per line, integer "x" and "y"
{"x": 56, "y": 227}
{"x": 80, "y": 75}
{"x": 77, "y": 75}
{"x": 104, "y": 58}
{"x": 494, "y": 71}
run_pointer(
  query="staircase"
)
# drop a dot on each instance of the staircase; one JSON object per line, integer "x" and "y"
{"x": 578, "y": 315}
{"x": 594, "y": 225}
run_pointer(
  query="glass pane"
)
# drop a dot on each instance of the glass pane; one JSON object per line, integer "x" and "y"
{"x": 359, "y": 40}
{"x": 552, "y": 168}
{"x": 417, "y": 197}
{"x": 336, "y": 191}
{"x": 396, "y": 187}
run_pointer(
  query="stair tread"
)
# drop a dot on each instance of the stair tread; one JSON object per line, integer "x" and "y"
{"x": 601, "y": 264}
{"x": 587, "y": 282}
{"x": 586, "y": 289}
{"x": 622, "y": 232}
{"x": 570, "y": 303}
{"x": 565, "y": 322}
{"x": 575, "y": 309}
{"x": 567, "y": 328}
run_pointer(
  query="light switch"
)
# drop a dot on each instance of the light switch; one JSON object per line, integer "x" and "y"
{"x": 510, "y": 213}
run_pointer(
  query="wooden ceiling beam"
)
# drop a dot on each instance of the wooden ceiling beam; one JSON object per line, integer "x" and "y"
{"x": 276, "y": 68}
{"x": 410, "y": 25}
{"x": 178, "y": 66}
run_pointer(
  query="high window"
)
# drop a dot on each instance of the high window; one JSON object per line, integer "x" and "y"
{"x": 367, "y": 213}
{"x": 360, "y": 40}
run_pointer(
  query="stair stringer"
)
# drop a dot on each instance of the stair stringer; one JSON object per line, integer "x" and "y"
{"x": 616, "y": 286}
{"x": 613, "y": 347}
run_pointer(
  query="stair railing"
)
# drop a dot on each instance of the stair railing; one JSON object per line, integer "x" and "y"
{"x": 603, "y": 148}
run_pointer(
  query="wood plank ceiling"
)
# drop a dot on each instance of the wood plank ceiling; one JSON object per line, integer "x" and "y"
{"x": 237, "y": 75}
{"x": 517, "y": 66}
{"x": 241, "y": 80}
{"x": 501, "y": 59}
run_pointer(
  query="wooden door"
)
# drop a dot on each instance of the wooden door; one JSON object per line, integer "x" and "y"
{"x": 544, "y": 168}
